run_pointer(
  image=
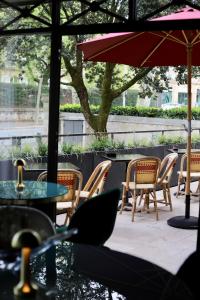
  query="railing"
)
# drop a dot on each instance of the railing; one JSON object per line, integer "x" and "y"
{"x": 17, "y": 140}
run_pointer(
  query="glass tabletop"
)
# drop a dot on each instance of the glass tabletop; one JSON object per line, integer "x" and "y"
{"x": 33, "y": 191}
{"x": 84, "y": 272}
{"x": 122, "y": 157}
{"x": 182, "y": 150}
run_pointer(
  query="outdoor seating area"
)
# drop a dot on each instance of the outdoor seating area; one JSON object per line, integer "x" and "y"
{"x": 105, "y": 218}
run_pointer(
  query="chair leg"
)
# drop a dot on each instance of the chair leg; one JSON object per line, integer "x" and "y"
{"x": 147, "y": 199}
{"x": 123, "y": 199}
{"x": 165, "y": 194}
{"x": 141, "y": 196}
{"x": 169, "y": 197}
{"x": 134, "y": 203}
{"x": 178, "y": 187}
{"x": 155, "y": 203}
{"x": 69, "y": 214}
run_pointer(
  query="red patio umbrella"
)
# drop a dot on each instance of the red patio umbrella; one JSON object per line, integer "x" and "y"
{"x": 155, "y": 48}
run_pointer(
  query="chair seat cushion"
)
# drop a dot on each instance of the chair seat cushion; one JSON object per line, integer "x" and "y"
{"x": 163, "y": 181}
{"x": 192, "y": 174}
{"x": 140, "y": 186}
{"x": 84, "y": 195}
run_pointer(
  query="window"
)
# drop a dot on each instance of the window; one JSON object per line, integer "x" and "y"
{"x": 166, "y": 97}
{"x": 198, "y": 98}
{"x": 182, "y": 98}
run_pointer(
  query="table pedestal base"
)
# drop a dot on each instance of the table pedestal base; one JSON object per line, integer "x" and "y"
{"x": 183, "y": 222}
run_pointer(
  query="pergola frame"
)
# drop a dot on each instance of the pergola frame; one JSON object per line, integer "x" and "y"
{"x": 56, "y": 30}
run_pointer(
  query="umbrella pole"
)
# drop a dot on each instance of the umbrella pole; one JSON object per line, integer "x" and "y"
{"x": 189, "y": 130}
{"x": 187, "y": 222}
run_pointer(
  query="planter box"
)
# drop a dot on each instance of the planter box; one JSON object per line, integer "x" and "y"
{"x": 86, "y": 162}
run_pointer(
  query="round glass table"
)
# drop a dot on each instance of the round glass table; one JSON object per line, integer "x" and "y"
{"x": 34, "y": 192}
{"x": 84, "y": 272}
{"x": 38, "y": 194}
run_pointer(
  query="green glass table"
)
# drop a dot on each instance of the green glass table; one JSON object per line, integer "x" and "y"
{"x": 34, "y": 192}
{"x": 38, "y": 194}
{"x": 84, "y": 272}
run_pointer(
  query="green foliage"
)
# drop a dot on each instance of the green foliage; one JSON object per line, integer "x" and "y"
{"x": 15, "y": 152}
{"x": 169, "y": 140}
{"x": 67, "y": 148}
{"x": 101, "y": 144}
{"x": 42, "y": 149}
{"x": 139, "y": 111}
{"x": 195, "y": 138}
{"x": 74, "y": 108}
{"x": 26, "y": 152}
{"x": 70, "y": 148}
{"x": 179, "y": 113}
{"x": 106, "y": 144}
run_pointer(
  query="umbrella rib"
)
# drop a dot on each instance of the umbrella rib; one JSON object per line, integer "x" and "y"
{"x": 170, "y": 37}
{"x": 194, "y": 41}
{"x": 155, "y": 48}
{"x": 185, "y": 37}
{"x": 113, "y": 46}
{"x": 195, "y": 38}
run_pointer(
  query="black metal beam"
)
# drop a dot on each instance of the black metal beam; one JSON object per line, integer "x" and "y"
{"x": 54, "y": 93}
{"x": 110, "y": 27}
{"x": 131, "y": 26}
{"x": 54, "y": 102}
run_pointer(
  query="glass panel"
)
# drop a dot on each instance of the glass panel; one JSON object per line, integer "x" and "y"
{"x": 24, "y": 101}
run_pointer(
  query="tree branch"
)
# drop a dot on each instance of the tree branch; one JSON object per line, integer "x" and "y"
{"x": 143, "y": 72}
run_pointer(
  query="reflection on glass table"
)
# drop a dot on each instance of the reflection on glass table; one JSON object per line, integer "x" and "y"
{"x": 34, "y": 192}
{"x": 74, "y": 272}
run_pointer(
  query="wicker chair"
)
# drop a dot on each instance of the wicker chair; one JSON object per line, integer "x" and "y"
{"x": 166, "y": 170}
{"x": 72, "y": 179}
{"x": 95, "y": 183}
{"x": 194, "y": 171}
{"x": 141, "y": 176}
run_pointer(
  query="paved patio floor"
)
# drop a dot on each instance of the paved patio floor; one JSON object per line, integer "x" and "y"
{"x": 154, "y": 240}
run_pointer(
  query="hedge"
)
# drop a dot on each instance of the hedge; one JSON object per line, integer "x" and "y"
{"x": 139, "y": 111}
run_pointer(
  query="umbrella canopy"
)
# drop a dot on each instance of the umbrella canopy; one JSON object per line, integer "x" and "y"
{"x": 147, "y": 49}
{"x": 153, "y": 48}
